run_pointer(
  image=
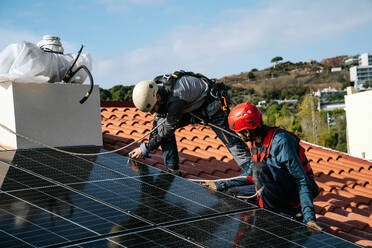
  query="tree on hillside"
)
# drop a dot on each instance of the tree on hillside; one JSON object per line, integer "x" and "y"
{"x": 105, "y": 95}
{"x": 121, "y": 93}
{"x": 251, "y": 76}
{"x": 276, "y": 59}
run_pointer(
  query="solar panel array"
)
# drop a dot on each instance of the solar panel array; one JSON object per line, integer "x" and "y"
{"x": 51, "y": 199}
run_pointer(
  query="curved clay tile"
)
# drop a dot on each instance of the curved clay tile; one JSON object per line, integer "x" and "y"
{"x": 360, "y": 175}
{"x": 360, "y": 191}
{"x": 189, "y": 136}
{"x": 318, "y": 153}
{"x": 124, "y": 116}
{"x": 339, "y": 182}
{"x": 196, "y": 154}
{"x": 106, "y": 114}
{"x": 336, "y": 168}
{"x": 184, "y": 145}
{"x": 318, "y": 168}
{"x": 206, "y": 169}
{"x": 356, "y": 163}
{"x": 116, "y": 122}
{"x": 113, "y": 117}
{"x": 363, "y": 234}
{"x": 109, "y": 124}
{"x": 122, "y": 123}
{"x": 208, "y": 139}
{"x": 185, "y": 142}
{"x": 222, "y": 166}
{"x": 184, "y": 157}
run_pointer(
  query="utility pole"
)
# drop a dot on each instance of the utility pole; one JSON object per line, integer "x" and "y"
{"x": 328, "y": 122}
{"x": 313, "y": 119}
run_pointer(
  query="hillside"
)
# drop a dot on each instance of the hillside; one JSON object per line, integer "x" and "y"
{"x": 284, "y": 81}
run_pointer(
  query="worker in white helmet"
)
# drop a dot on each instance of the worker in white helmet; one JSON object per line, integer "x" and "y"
{"x": 172, "y": 97}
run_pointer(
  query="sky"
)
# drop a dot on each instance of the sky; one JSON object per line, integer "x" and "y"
{"x": 135, "y": 40}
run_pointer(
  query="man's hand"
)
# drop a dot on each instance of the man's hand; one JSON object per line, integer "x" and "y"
{"x": 313, "y": 227}
{"x": 136, "y": 153}
{"x": 210, "y": 185}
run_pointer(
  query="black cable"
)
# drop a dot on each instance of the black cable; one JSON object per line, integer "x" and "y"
{"x": 69, "y": 73}
{"x": 90, "y": 79}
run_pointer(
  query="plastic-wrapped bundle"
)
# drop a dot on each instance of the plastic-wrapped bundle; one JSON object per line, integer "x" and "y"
{"x": 45, "y": 62}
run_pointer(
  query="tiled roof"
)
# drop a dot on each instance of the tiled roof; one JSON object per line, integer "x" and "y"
{"x": 344, "y": 206}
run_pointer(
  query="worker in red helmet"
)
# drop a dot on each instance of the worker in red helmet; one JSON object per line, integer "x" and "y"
{"x": 278, "y": 172}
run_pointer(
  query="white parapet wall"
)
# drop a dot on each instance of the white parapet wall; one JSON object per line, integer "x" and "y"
{"x": 359, "y": 124}
{"x": 49, "y": 113}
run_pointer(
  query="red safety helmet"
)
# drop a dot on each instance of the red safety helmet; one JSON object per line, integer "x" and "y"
{"x": 244, "y": 116}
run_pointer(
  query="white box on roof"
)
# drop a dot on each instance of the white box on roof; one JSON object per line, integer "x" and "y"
{"x": 49, "y": 113}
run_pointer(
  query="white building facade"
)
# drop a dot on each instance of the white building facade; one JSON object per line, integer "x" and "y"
{"x": 359, "y": 123}
{"x": 365, "y": 59}
{"x": 362, "y": 73}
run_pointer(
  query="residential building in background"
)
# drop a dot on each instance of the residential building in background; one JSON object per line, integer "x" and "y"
{"x": 330, "y": 99}
{"x": 361, "y": 74}
{"x": 352, "y": 60}
{"x": 264, "y": 103}
{"x": 365, "y": 59}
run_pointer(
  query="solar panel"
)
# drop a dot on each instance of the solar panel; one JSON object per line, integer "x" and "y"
{"x": 54, "y": 199}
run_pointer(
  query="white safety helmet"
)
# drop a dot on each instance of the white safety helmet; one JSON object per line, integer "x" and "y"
{"x": 51, "y": 43}
{"x": 144, "y": 95}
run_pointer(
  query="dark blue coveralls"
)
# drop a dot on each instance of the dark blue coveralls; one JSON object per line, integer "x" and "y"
{"x": 283, "y": 176}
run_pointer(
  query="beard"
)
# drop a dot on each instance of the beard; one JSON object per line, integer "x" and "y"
{"x": 252, "y": 134}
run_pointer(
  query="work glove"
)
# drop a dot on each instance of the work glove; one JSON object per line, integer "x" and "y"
{"x": 313, "y": 227}
{"x": 210, "y": 185}
{"x": 232, "y": 191}
{"x": 256, "y": 170}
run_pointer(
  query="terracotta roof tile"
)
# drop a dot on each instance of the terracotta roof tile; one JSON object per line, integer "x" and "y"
{"x": 344, "y": 206}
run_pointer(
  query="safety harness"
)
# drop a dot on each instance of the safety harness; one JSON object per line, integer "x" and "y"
{"x": 258, "y": 156}
{"x": 216, "y": 89}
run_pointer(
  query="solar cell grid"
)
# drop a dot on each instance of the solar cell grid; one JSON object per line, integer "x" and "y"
{"x": 255, "y": 228}
{"x": 154, "y": 238}
{"x": 54, "y": 199}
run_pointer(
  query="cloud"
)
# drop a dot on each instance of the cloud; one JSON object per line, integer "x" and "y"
{"x": 9, "y": 36}
{"x": 247, "y": 33}
{"x": 118, "y": 6}
{"x": 13, "y": 35}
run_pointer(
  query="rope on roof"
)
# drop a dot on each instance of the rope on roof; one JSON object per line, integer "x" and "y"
{"x": 75, "y": 153}
{"x": 2, "y": 147}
